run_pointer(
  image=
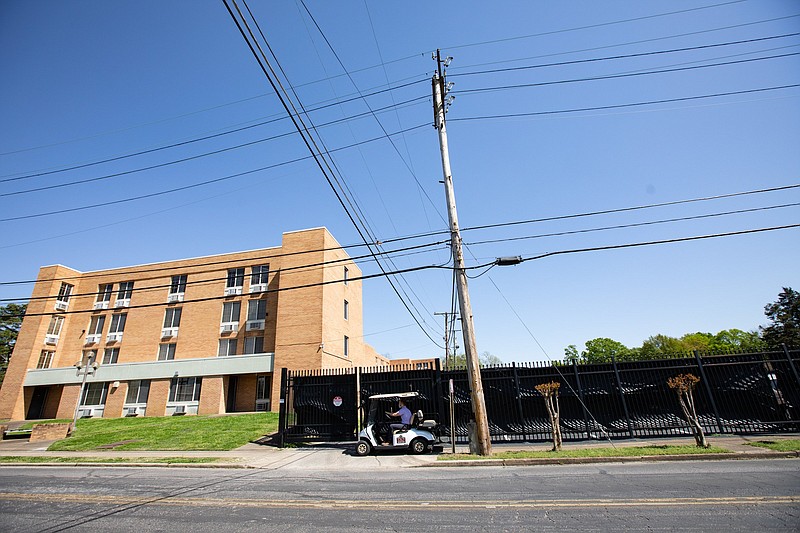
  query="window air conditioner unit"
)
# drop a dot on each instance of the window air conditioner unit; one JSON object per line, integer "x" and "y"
{"x": 123, "y": 303}
{"x": 93, "y": 338}
{"x": 85, "y": 413}
{"x": 233, "y": 291}
{"x": 229, "y": 327}
{"x": 61, "y": 306}
{"x": 262, "y": 405}
{"x": 51, "y": 339}
{"x": 174, "y": 297}
{"x": 255, "y": 325}
{"x": 114, "y": 337}
{"x": 169, "y": 332}
{"x": 258, "y": 287}
{"x": 179, "y": 410}
{"x": 100, "y": 305}
{"x": 131, "y": 411}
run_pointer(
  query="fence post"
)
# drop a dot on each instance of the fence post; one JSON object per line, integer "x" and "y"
{"x": 437, "y": 388}
{"x": 622, "y": 396}
{"x": 791, "y": 363}
{"x": 583, "y": 400}
{"x": 282, "y": 412}
{"x": 519, "y": 402}
{"x": 358, "y": 400}
{"x": 720, "y": 429}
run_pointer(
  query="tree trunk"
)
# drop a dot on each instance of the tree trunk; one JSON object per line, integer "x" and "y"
{"x": 552, "y": 410}
{"x": 687, "y": 406}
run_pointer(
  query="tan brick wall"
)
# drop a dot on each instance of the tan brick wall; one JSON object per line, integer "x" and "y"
{"x": 69, "y": 398}
{"x": 246, "y": 393}
{"x": 115, "y": 400}
{"x": 304, "y": 327}
{"x": 212, "y": 399}
{"x": 157, "y": 399}
{"x": 49, "y": 432}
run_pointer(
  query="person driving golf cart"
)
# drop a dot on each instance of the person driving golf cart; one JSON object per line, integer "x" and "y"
{"x": 403, "y": 413}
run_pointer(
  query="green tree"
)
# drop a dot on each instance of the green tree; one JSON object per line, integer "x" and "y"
{"x": 696, "y": 341}
{"x": 602, "y": 349}
{"x": 485, "y": 359}
{"x": 571, "y": 354}
{"x": 10, "y": 322}
{"x": 658, "y": 345}
{"x": 784, "y": 315}
{"x": 736, "y": 340}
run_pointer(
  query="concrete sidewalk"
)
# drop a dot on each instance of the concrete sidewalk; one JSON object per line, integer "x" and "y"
{"x": 333, "y": 456}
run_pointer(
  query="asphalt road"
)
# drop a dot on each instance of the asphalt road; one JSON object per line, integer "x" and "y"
{"x": 754, "y": 495}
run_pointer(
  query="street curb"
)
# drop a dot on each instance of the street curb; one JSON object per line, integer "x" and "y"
{"x": 631, "y": 459}
{"x": 136, "y": 465}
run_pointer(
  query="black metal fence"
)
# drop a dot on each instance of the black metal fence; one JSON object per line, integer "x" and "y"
{"x": 738, "y": 393}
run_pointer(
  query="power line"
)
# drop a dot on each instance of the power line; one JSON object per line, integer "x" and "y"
{"x": 189, "y": 271}
{"x": 194, "y": 185}
{"x": 620, "y": 106}
{"x": 268, "y": 291}
{"x": 626, "y": 75}
{"x": 634, "y": 208}
{"x": 308, "y": 140}
{"x": 652, "y": 243}
{"x": 184, "y": 143}
{"x": 636, "y": 224}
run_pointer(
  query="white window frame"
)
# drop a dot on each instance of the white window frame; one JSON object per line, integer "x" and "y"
{"x": 346, "y": 348}
{"x": 251, "y": 345}
{"x": 346, "y": 310}
{"x": 54, "y": 329}
{"x": 166, "y": 352}
{"x": 224, "y": 347}
{"x": 45, "y": 359}
{"x": 94, "y": 333}
{"x": 124, "y": 293}
{"x": 177, "y": 288}
{"x": 110, "y": 356}
{"x": 64, "y": 293}
{"x": 230, "y": 319}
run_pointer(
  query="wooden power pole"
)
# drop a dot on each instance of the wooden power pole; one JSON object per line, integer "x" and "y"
{"x": 484, "y": 443}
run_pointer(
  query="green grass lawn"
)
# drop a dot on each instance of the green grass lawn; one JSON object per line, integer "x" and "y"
{"x": 627, "y": 451}
{"x": 169, "y": 432}
{"x": 787, "y": 445}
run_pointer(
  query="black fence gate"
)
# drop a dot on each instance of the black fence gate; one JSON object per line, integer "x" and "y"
{"x": 740, "y": 393}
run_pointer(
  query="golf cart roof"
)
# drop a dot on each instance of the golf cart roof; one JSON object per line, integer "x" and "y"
{"x": 397, "y": 395}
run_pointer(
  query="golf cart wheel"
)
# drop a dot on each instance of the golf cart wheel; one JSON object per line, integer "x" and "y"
{"x": 363, "y": 448}
{"x": 419, "y": 446}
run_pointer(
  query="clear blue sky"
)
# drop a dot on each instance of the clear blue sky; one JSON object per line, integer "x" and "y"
{"x": 92, "y": 80}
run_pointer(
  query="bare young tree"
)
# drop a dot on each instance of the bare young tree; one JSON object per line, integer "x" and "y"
{"x": 549, "y": 392}
{"x": 683, "y": 384}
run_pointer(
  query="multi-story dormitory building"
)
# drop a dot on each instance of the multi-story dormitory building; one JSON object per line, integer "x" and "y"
{"x": 206, "y": 335}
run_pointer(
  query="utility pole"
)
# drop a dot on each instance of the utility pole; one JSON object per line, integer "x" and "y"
{"x": 446, "y": 337}
{"x": 484, "y": 443}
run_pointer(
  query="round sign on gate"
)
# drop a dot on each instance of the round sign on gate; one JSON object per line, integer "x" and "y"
{"x": 337, "y": 401}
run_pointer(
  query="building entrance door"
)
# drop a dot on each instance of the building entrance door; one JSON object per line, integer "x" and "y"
{"x": 230, "y": 402}
{"x": 37, "y": 403}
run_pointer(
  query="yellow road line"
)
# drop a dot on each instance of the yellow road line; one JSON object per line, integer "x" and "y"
{"x": 394, "y": 505}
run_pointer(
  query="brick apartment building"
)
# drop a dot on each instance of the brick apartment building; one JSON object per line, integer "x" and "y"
{"x": 205, "y": 335}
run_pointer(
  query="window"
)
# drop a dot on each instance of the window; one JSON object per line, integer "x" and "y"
{"x": 45, "y": 359}
{"x": 235, "y": 277}
{"x": 125, "y": 290}
{"x": 172, "y": 318}
{"x": 256, "y": 309}
{"x": 227, "y": 347}
{"x": 104, "y": 292}
{"x": 230, "y": 312}
{"x": 346, "y": 310}
{"x": 94, "y": 394}
{"x": 96, "y": 325}
{"x": 262, "y": 393}
{"x": 346, "y": 274}
{"x": 346, "y": 346}
{"x": 64, "y": 292}
{"x": 185, "y": 389}
{"x": 259, "y": 275}
{"x": 110, "y": 356}
{"x": 178, "y": 284}
{"x": 166, "y": 352}
{"x": 253, "y": 345}
{"x": 55, "y": 325}
{"x": 118, "y": 323}
{"x": 138, "y": 391}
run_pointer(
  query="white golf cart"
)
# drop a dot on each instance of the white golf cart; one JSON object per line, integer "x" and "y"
{"x": 418, "y": 436}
